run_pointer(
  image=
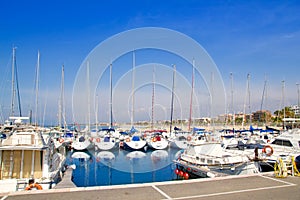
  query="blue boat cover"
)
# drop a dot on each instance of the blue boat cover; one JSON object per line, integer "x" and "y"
{"x": 135, "y": 138}
{"x": 106, "y": 139}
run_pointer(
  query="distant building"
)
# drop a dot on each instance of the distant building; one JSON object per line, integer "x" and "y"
{"x": 262, "y": 116}
{"x": 296, "y": 110}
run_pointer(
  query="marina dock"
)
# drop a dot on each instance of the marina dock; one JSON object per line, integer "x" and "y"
{"x": 263, "y": 186}
{"x": 66, "y": 181}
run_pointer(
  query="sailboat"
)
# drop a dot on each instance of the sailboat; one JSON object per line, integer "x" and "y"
{"x": 108, "y": 140}
{"x": 178, "y": 138}
{"x": 62, "y": 135}
{"x": 155, "y": 140}
{"x": 133, "y": 140}
{"x": 82, "y": 142}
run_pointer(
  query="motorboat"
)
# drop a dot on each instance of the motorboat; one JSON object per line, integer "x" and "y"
{"x": 284, "y": 145}
{"x": 212, "y": 160}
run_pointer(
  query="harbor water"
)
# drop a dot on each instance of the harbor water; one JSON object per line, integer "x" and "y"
{"x": 99, "y": 168}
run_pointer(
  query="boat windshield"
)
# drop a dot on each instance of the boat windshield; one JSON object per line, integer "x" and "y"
{"x": 281, "y": 142}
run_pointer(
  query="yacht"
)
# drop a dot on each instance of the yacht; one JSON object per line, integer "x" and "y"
{"x": 25, "y": 154}
{"x": 212, "y": 160}
{"x": 284, "y": 145}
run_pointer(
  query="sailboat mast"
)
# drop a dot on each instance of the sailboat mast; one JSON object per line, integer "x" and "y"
{"x": 12, "y": 113}
{"x": 153, "y": 92}
{"x": 249, "y": 103}
{"x": 232, "y": 109}
{"x": 89, "y": 94}
{"x": 110, "y": 103}
{"x": 132, "y": 89}
{"x": 172, "y": 97}
{"x": 61, "y": 106}
{"x": 37, "y": 87}
{"x": 263, "y": 99}
{"x": 96, "y": 112}
{"x": 191, "y": 100}
{"x": 18, "y": 92}
{"x": 247, "y": 95}
{"x": 283, "y": 103}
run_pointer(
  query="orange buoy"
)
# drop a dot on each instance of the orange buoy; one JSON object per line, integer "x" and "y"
{"x": 61, "y": 140}
{"x": 189, "y": 138}
{"x": 98, "y": 140}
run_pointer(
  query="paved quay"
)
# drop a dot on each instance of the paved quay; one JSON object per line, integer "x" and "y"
{"x": 263, "y": 186}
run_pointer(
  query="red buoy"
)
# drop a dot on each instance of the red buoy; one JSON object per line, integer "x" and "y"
{"x": 181, "y": 173}
{"x": 186, "y": 176}
{"x": 176, "y": 171}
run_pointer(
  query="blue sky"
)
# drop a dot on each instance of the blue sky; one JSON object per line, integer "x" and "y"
{"x": 257, "y": 37}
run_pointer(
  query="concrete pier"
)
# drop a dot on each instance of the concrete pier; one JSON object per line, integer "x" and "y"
{"x": 263, "y": 186}
{"x": 66, "y": 181}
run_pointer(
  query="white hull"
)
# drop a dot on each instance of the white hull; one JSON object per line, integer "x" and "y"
{"x": 179, "y": 144}
{"x": 106, "y": 143}
{"x": 211, "y": 160}
{"x": 158, "y": 145}
{"x": 81, "y": 145}
{"x": 135, "y": 145}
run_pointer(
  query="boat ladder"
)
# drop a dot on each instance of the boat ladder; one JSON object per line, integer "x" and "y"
{"x": 285, "y": 166}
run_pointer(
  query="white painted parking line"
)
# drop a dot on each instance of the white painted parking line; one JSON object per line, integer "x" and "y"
{"x": 231, "y": 192}
{"x": 278, "y": 180}
{"x": 161, "y": 192}
{"x": 286, "y": 184}
{"x": 4, "y": 197}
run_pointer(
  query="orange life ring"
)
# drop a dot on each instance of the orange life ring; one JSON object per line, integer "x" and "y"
{"x": 271, "y": 151}
{"x": 61, "y": 140}
{"x": 98, "y": 140}
{"x": 154, "y": 139}
{"x": 189, "y": 138}
{"x": 35, "y": 185}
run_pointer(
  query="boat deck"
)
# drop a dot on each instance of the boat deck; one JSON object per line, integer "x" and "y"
{"x": 263, "y": 186}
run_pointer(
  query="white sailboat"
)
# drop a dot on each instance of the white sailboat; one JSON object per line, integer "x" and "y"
{"x": 155, "y": 139}
{"x": 82, "y": 142}
{"x": 177, "y": 137}
{"x": 107, "y": 141}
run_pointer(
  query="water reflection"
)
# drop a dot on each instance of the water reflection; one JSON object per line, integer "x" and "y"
{"x": 122, "y": 167}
